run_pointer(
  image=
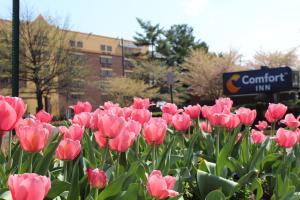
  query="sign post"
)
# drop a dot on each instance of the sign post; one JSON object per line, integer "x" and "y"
{"x": 170, "y": 81}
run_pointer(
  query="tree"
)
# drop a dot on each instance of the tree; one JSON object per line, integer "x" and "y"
{"x": 275, "y": 59}
{"x": 203, "y": 72}
{"x": 46, "y": 58}
{"x": 154, "y": 72}
{"x": 123, "y": 89}
{"x": 150, "y": 36}
{"x": 177, "y": 44}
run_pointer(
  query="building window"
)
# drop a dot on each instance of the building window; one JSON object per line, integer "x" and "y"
{"x": 106, "y": 73}
{"x": 79, "y": 44}
{"x": 109, "y": 48}
{"x": 102, "y": 47}
{"x": 106, "y": 61}
{"x": 72, "y": 43}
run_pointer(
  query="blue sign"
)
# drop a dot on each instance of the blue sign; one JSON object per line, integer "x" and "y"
{"x": 265, "y": 80}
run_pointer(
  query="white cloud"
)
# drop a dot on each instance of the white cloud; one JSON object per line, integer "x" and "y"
{"x": 192, "y": 8}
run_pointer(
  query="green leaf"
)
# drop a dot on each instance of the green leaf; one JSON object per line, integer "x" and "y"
{"x": 113, "y": 188}
{"x": 208, "y": 182}
{"x": 215, "y": 195}
{"x": 131, "y": 193}
{"x": 6, "y": 195}
{"x": 43, "y": 164}
{"x": 74, "y": 187}
{"x": 257, "y": 158}
{"x": 58, "y": 187}
{"x": 89, "y": 150}
{"x": 256, "y": 185}
{"x": 225, "y": 153}
{"x": 189, "y": 153}
{"x": 247, "y": 178}
{"x": 165, "y": 158}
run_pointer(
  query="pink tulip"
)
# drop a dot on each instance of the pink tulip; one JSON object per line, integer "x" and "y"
{"x": 246, "y": 115}
{"x": 82, "y": 107}
{"x": 32, "y": 138}
{"x": 96, "y": 178}
{"x": 181, "y": 122}
{"x": 68, "y": 149}
{"x": 224, "y": 103}
{"x": 139, "y": 103}
{"x": 262, "y": 125}
{"x": 8, "y": 116}
{"x": 75, "y": 132}
{"x": 28, "y": 186}
{"x": 43, "y": 116}
{"x": 133, "y": 126}
{"x": 298, "y": 134}
{"x": 286, "y": 138}
{"x": 218, "y": 119}
{"x": 230, "y": 121}
{"x": 127, "y": 112}
{"x": 206, "y": 127}
{"x": 116, "y": 111}
{"x": 193, "y": 111}
{"x": 111, "y": 125}
{"x": 290, "y": 121}
{"x": 257, "y": 136}
{"x": 63, "y": 130}
{"x": 83, "y": 119}
{"x": 238, "y": 137}
{"x": 161, "y": 187}
{"x": 141, "y": 115}
{"x": 170, "y": 108}
{"x": 107, "y": 105}
{"x": 100, "y": 139}
{"x": 275, "y": 112}
{"x": 123, "y": 141}
{"x": 17, "y": 104}
{"x": 95, "y": 117}
{"x": 154, "y": 131}
{"x": 167, "y": 117}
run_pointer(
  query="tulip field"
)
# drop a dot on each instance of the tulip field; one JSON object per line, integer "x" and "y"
{"x": 204, "y": 152}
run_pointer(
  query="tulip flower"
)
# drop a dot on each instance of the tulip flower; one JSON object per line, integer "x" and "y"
{"x": 82, "y": 107}
{"x": 75, "y": 132}
{"x": 32, "y": 138}
{"x": 230, "y": 121}
{"x": 193, "y": 111}
{"x": 286, "y": 138}
{"x": 100, "y": 139}
{"x": 28, "y": 186}
{"x": 170, "y": 108}
{"x": 108, "y": 104}
{"x": 154, "y": 131}
{"x": 83, "y": 119}
{"x": 161, "y": 187}
{"x": 246, "y": 115}
{"x": 257, "y": 136}
{"x": 141, "y": 115}
{"x": 127, "y": 112}
{"x": 133, "y": 126}
{"x": 139, "y": 103}
{"x": 290, "y": 121}
{"x": 111, "y": 125}
{"x": 181, "y": 122}
{"x": 17, "y": 104}
{"x": 218, "y": 119}
{"x": 262, "y": 125}
{"x": 68, "y": 149}
{"x": 238, "y": 137}
{"x": 167, "y": 117}
{"x": 123, "y": 141}
{"x": 96, "y": 178}
{"x": 8, "y": 116}
{"x": 63, "y": 130}
{"x": 43, "y": 116}
{"x": 224, "y": 103}
{"x": 275, "y": 112}
{"x": 206, "y": 127}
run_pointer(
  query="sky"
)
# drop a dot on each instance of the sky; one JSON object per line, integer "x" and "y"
{"x": 243, "y": 25}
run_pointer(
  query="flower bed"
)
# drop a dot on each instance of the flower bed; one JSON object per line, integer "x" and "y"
{"x": 208, "y": 152}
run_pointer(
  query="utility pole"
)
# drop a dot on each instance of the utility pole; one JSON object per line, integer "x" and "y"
{"x": 123, "y": 59}
{"x": 15, "y": 48}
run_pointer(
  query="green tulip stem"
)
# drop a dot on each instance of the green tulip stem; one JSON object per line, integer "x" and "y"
{"x": 118, "y": 164}
{"x": 105, "y": 154}
{"x": 20, "y": 161}
{"x": 31, "y": 162}
{"x": 153, "y": 156}
{"x": 96, "y": 193}
{"x": 65, "y": 169}
{"x": 9, "y": 144}
{"x": 218, "y": 143}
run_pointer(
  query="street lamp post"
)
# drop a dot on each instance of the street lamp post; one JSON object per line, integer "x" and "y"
{"x": 15, "y": 48}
